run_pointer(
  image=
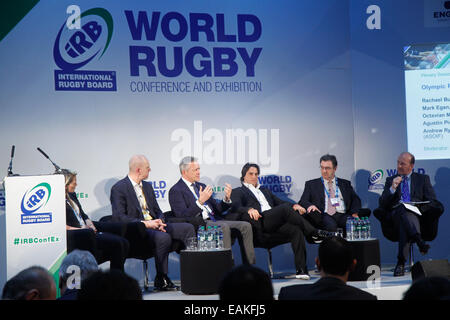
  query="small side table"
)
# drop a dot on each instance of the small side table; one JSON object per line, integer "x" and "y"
{"x": 367, "y": 253}
{"x": 202, "y": 271}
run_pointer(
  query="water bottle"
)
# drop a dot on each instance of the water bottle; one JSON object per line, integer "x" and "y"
{"x": 201, "y": 238}
{"x": 215, "y": 238}
{"x": 357, "y": 230}
{"x": 363, "y": 229}
{"x": 210, "y": 238}
{"x": 349, "y": 228}
{"x": 219, "y": 238}
{"x": 369, "y": 231}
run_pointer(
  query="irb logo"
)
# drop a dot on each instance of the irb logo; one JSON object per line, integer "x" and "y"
{"x": 75, "y": 47}
{"x": 376, "y": 176}
{"x": 36, "y": 198}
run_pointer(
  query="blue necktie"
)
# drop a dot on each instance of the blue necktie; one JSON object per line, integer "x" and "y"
{"x": 210, "y": 212}
{"x": 406, "y": 197}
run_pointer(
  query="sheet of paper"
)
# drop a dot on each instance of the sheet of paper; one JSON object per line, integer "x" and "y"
{"x": 412, "y": 208}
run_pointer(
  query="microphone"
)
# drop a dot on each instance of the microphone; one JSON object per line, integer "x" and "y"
{"x": 57, "y": 168}
{"x": 45, "y": 155}
{"x": 10, "y": 173}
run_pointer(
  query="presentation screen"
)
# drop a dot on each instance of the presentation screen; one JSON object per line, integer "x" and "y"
{"x": 427, "y": 85}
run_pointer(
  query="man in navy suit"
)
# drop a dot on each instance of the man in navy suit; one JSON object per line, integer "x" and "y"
{"x": 132, "y": 200}
{"x": 335, "y": 262}
{"x": 269, "y": 215}
{"x": 329, "y": 200}
{"x": 191, "y": 200}
{"x": 401, "y": 224}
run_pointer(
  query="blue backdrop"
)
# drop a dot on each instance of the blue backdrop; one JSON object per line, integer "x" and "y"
{"x": 281, "y": 84}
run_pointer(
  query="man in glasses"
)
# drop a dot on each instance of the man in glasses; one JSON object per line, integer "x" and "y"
{"x": 329, "y": 200}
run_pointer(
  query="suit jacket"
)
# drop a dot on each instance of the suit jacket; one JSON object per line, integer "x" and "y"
{"x": 71, "y": 218}
{"x": 314, "y": 194}
{"x": 327, "y": 288}
{"x": 183, "y": 203}
{"x": 243, "y": 199}
{"x": 125, "y": 204}
{"x": 420, "y": 190}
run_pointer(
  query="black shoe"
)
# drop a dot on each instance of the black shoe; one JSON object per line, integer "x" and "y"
{"x": 399, "y": 270}
{"x": 423, "y": 247}
{"x": 163, "y": 283}
{"x": 321, "y": 235}
{"x": 302, "y": 274}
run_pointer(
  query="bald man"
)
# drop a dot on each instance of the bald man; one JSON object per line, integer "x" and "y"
{"x": 399, "y": 223}
{"x": 133, "y": 200}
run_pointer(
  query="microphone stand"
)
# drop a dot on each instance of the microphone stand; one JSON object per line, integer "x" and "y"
{"x": 57, "y": 168}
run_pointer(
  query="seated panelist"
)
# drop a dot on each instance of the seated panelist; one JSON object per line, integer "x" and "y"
{"x": 84, "y": 234}
{"x": 133, "y": 200}
{"x": 268, "y": 214}
{"x": 401, "y": 224}
{"x": 192, "y": 201}
{"x": 329, "y": 200}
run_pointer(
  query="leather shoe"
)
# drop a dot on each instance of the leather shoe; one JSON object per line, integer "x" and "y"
{"x": 399, "y": 270}
{"x": 423, "y": 247}
{"x": 163, "y": 283}
{"x": 321, "y": 235}
{"x": 302, "y": 274}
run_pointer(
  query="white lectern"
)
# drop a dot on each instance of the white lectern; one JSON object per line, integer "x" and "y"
{"x": 33, "y": 226}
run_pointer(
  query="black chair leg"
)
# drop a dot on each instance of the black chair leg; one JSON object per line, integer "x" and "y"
{"x": 146, "y": 280}
{"x": 411, "y": 255}
{"x": 269, "y": 261}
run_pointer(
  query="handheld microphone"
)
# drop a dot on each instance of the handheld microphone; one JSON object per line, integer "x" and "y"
{"x": 57, "y": 168}
{"x": 10, "y": 173}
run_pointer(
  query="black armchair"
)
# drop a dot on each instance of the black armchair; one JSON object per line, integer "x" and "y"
{"x": 269, "y": 241}
{"x": 136, "y": 235}
{"x": 84, "y": 239}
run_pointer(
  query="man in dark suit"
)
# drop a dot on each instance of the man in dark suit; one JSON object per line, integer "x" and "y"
{"x": 191, "y": 200}
{"x": 335, "y": 262}
{"x": 133, "y": 199}
{"x": 400, "y": 223}
{"x": 329, "y": 200}
{"x": 268, "y": 214}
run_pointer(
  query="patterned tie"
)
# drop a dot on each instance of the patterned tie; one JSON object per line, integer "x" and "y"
{"x": 331, "y": 208}
{"x": 406, "y": 197}
{"x": 210, "y": 212}
{"x": 144, "y": 207}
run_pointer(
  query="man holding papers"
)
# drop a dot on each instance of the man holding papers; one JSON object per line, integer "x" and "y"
{"x": 408, "y": 210}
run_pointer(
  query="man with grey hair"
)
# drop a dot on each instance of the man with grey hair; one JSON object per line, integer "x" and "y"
{"x": 191, "y": 200}
{"x": 75, "y": 267}
{"x": 133, "y": 200}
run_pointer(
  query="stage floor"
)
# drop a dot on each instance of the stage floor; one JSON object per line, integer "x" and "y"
{"x": 387, "y": 288}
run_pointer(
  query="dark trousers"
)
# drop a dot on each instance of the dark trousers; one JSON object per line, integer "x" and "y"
{"x": 104, "y": 246}
{"x": 407, "y": 226}
{"x": 327, "y": 222}
{"x": 161, "y": 242}
{"x": 114, "y": 247}
{"x": 284, "y": 220}
{"x": 337, "y": 220}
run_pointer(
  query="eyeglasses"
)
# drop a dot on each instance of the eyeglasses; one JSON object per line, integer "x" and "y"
{"x": 326, "y": 168}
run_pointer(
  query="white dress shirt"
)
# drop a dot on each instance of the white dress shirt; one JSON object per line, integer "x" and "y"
{"x": 259, "y": 195}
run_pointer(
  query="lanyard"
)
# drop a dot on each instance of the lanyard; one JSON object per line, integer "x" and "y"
{"x": 77, "y": 213}
{"x": 326, "y": 190}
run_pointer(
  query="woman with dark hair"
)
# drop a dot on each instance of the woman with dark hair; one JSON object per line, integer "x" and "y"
{"x": 94, "y": 237}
